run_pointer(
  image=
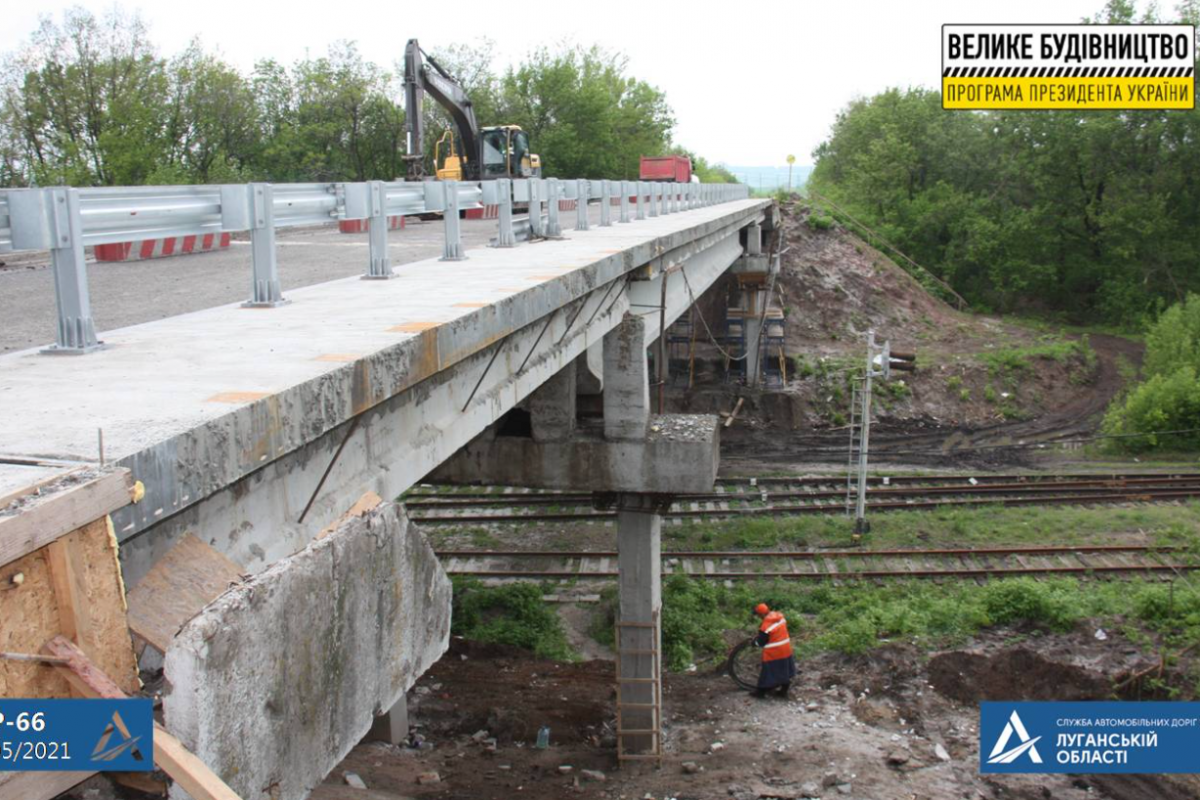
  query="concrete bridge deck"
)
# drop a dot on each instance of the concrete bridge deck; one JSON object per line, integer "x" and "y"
{"x": 256, "y": 430}
{"x": 196, "y": 403}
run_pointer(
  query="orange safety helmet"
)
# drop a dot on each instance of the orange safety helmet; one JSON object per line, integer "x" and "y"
{"x": 761, "y": 609}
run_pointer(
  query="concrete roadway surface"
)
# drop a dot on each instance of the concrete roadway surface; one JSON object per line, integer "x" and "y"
{"x": 131, "y": 292}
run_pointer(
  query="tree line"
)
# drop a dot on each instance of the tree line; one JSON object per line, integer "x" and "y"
{"x": 1089, "y": 215}
{"x": 89, "y": 101}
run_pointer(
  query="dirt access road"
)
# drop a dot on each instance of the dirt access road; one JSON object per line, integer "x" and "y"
{"x": 888, "y": 724}
{"x": 756, "y": 443}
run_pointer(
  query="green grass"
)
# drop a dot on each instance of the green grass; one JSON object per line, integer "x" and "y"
{"x": 855, "y": 619}
{"x": 996, "y": 525}
{"x": 1016, "y": 360}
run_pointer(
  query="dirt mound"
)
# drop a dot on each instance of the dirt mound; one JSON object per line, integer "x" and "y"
{"x": 1013, "y": 674}
{"x": 836, "y": 287}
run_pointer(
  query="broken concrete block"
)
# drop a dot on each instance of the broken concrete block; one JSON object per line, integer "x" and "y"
{"x": 275, "y": 681}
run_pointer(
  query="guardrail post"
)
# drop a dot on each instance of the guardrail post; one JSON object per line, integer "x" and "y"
{"x": 653, "y": 199}
{"x": 605, "y": 203}
{"x": 380, "y": 266}
{"x": 583, "y": 189}
{"x": 536, "y": 223}
{"x": 452, "y": 248}
{"x": 624, "y": 185}
{"x": 505, "y": 236}
{"x": 553, "y": 229}
{"x": 641, "y": 199}
{"x": 76, "y": 329}
{"x": 265, "y": 291}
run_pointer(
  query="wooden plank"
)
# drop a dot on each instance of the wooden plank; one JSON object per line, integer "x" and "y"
{"x": 66, "y": 576}
{"x": 190, "y": 576}
{"x": 34, "y": 487}
{"x": 146, "y": 783}
{"x": 192, "y": 774}
{"x": 39, "y": 785}
{"x": 187, "y": 770}
{"x": 361, "y": 506}
{"x": 41, "y": 521}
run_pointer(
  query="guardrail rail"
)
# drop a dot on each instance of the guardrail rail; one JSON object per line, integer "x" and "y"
{"x": 65, "y": 220}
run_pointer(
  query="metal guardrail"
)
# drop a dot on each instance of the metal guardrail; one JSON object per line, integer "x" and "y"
{"x": 65, "y": 220}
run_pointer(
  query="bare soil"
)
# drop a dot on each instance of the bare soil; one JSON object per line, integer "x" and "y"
{"x": 956, "y": 410}
{"x": 867, "y": 726}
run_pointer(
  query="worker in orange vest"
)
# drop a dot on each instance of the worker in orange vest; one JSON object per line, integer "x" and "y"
{"x": 778, "y": 665}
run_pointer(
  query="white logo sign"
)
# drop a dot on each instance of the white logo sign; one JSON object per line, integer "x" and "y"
{"x": 1001, "y": 756}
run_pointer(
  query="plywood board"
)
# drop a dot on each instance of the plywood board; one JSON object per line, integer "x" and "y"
{"x": 190, "y": 576}
{"x": 31, "y": 614}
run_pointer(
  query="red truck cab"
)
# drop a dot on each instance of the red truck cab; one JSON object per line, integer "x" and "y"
{"x": 674, "y": 169}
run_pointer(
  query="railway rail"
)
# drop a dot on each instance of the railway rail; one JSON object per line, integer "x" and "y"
{"x": 981, "y": 563}
{"x": 780, "y": 496}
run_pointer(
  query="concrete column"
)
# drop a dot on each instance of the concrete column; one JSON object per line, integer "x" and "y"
{"x": 752, "y": 325}
{"x": 639, "y": 564}
{"x": 754, "y": 239}
{"x": 626, "y": 381}
{"x": 552, "y": 407}
{"x": 392, "y": 726}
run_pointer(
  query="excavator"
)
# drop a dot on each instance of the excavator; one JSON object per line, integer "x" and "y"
{"x": 500, "y": 151}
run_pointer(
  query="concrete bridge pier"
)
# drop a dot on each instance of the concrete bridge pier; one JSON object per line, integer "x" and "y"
{"x": 754, "y": 272}
{"x": 639, "y": 629}
{"x": 635, "y": 464}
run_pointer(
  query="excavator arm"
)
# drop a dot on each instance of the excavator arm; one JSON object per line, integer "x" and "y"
{"x": 422, "y": 74}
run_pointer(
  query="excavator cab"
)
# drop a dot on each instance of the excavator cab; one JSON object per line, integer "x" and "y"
{"x": 506, "y": 153}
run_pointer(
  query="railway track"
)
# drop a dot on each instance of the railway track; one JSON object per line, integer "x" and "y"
{"x": 980, "y": 564}
{"x": 780, "y": 496}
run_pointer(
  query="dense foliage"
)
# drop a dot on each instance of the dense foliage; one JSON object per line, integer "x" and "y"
{"x": 513, "y": 614}
{"x": 89, "y": 101}
{"x": 1168, "y": 400}
{"x": 1091, "y": 214}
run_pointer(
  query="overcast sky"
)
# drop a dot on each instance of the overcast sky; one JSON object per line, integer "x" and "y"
{"x": 749, "y": 82}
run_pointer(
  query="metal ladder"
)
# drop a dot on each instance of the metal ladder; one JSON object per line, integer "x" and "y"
{"x": 655, "y": 683}
{"x": 852, "y": 450}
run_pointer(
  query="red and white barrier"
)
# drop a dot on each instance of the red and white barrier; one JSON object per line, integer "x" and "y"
{"x": 361, "y": 225}
{"x": 161, "y": 248}
{"x": 567, "y": 205}
{"x": 487, "y": 212}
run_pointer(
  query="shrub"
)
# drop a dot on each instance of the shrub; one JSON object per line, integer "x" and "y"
{"x": 1162, "y": 403}
{"x": 820, "y": 223}
{"x": 1027, "y": 600}
{"x": 514, "y": 615}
